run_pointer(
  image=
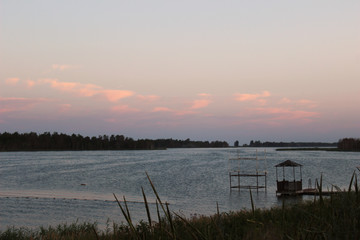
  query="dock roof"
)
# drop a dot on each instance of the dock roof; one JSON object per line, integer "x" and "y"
{"x": 288, "y": 163}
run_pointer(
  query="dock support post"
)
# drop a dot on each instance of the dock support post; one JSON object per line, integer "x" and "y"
{"x": 230, "y": 180}
{"x": 265, "y": 181}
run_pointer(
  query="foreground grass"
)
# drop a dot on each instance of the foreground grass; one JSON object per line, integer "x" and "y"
{"x": 335, "y": 217}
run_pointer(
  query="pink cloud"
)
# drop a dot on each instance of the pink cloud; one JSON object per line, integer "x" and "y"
{"x": 301, "y": 102}
{"x": 200, "y": 103}
{"x": 196, "y": 104}
{"x": 115, "y": 95}
{"x": 307, "y": 103}
{"x": 286, "y": 114}
{"x": 88, "y": 90}
{"x": 162, "y": 109}
{"x": 261, "y": 101}
{"x": 242, "y": 97}
{"x": 12, "y": 81}
{"x": 62, "y": 86}
{"x": 30, "y": 83}
{"x": 17, "y": 104}
{"x": 285, "y": 100}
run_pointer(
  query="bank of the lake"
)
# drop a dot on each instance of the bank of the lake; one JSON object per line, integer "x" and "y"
{"x": 336, "y": 217}
{"x": 309, "y": 149}
{"x": 316, "y": 149}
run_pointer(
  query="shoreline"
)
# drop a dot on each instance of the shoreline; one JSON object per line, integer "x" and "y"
{"x": 329, "y": 218}
{"x": 316, "y": 149}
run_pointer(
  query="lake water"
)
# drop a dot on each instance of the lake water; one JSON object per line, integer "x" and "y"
{"x": 50, "y": 188}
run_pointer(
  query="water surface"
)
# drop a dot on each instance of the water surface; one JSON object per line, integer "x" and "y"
{"x": 49, "y": 188}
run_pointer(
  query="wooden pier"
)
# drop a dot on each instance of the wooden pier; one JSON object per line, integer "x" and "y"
{"x": 286, "y": 187}
{"x": 307, "y": 191}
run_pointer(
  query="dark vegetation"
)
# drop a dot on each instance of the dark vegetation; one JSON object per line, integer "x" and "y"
{"x": 349, "y": 144}
{"x": 310, "y": 149}
{"x": 56, "y": 142}
{"x": 289, "y": 144}
{"x": 334, "y": 217}
{"x": 345, "y": 144}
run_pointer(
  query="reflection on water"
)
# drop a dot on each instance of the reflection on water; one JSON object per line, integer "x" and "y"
{"x": 41, "y": 188}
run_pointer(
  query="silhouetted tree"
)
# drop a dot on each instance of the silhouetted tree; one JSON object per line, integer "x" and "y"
{"x": 55, "y": 141}
{"x": 349, "y": 144}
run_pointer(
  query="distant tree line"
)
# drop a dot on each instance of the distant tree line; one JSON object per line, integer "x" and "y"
{"x": 289, "y": 144}
{"x": 58, "y": 141}
{"x": 349, "y": 144}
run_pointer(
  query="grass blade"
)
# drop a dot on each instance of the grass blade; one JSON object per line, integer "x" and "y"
{"x": 319, "y": 186}
{"x": 127, "y": 217}
{"x": 351, "y": 182}
{"x": 356, "y": 185}
{"x": 338, "y": 189}
{"x": 158, "y": 213}
{"x": 127, "y": 209}
{"x": 96, "y": 234}
{"x": 171, "y": 222}
{"x": 166, "y": 211}
{"x": 157, "y": 195}
{"x": 146, "y": 206}
{"x": 220, "y": 234}
{"x": 193, "y": 230}
{"x": 252, "y": 203}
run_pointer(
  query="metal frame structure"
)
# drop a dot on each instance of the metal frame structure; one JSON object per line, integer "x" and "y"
{"x": 259, "y": 172}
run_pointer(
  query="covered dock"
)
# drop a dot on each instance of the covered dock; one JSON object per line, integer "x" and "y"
{"x": 293, "y": 186}
{"x": 286, "y": 186}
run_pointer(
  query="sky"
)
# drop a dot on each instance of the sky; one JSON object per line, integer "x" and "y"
{"x": 268, "y": 70}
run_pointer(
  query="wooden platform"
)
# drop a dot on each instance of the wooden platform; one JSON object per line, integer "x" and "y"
{"x": 307, "y": 191}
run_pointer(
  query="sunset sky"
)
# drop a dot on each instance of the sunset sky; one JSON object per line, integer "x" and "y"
{"x": 205, "y": 70}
